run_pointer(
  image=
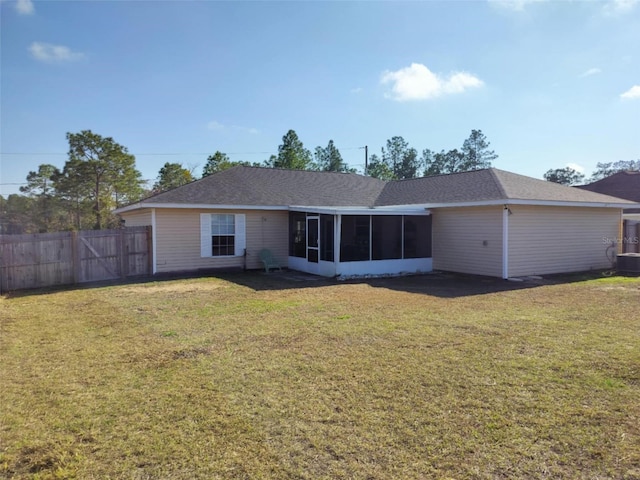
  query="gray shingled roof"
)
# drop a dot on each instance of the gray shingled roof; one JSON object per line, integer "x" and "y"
{"x": 481, "y": 186}
{"x": 473, "y": 186}
{"x": 622, "y": 184}
{"x": 275, "y": 187}
{"x": 258, "y": 186}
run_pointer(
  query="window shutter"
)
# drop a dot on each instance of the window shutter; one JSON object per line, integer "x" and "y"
{"x": 205, "y": 235}
{"x": 241, "y": 239}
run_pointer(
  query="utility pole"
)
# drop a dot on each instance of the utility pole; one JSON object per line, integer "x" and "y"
{"x": 366, "y": 159}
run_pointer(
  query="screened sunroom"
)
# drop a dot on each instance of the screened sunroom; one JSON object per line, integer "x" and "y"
{"x": 352, "y": 242}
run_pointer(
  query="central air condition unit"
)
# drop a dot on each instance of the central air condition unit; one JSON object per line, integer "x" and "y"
{"x": 628, "y": 263}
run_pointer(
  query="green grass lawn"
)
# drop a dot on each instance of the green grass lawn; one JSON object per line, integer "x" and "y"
{"x": 255, "y": 376}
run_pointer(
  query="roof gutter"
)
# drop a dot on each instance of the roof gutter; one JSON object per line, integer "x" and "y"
{"x": 400, "y": 210}
{"x": 546, "y": 203}
{"x": 378, "y": 210}
{"x": 354, "y": 210}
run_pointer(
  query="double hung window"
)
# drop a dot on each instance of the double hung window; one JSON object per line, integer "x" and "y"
{"x": 222, "y": 234}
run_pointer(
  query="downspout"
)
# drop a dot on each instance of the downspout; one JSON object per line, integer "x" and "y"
{"x": 154, "y": 242}
{"x": 505, "y": 241}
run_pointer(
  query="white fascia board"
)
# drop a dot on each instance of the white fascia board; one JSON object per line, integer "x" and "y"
{"x": 410, "y": 209}
{"x": 199, "y": 206}
{"x": 544, "y": 203}
{"x": 557, "y": 203}
{"x": 403, "y": 210}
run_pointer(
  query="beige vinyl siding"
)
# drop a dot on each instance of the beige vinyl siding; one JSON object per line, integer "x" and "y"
{"x": 468, "y": 240}
{"x": 137, "y": 218}
{"x": 546, "y": 240}
{"x": 178, "y": 239}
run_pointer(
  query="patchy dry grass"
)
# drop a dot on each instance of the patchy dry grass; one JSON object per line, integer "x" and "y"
{"x": 254, "y": 376}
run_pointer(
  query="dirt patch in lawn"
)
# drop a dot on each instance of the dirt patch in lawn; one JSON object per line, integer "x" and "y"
{"x": 169, "y": 287}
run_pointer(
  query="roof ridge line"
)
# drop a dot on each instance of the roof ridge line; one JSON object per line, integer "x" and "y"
{"x": 498, "y": 183}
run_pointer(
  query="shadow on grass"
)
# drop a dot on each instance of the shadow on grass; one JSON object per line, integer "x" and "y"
{"x": 437, "y": 284}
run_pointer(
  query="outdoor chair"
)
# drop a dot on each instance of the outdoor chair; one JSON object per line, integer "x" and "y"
{"x": 268, "y": 260}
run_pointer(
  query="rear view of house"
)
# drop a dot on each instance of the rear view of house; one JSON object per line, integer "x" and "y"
{"x": 486, "y": 222}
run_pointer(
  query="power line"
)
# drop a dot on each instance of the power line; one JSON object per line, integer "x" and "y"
{"x": 134, "y": 154}
{"x": 157, "y": 153}
{"x": 137, "y": 154}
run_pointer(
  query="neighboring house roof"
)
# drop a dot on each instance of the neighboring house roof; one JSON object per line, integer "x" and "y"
{"x": 268, "y": 187}
{"x": 622, "y": 185}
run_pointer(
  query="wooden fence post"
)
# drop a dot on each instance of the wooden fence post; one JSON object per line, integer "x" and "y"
{"x": 7, "y": 264}
{"x": 3, "y": 265}
{"x": 76, "y": 259}
{"x": 122, "y": 253}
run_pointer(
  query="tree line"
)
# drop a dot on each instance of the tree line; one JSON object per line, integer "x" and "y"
{"x": 570, "y": 176}
{"x": 100, "y": 175}
{"x": 396, "y": 161}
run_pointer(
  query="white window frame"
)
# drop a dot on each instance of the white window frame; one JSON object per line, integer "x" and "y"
{"x": 206, "y": 235}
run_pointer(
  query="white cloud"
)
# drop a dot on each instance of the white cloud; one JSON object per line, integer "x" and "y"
{"x": 25, "y": 7}
{"x": 417, "y": 82}
{"x": 45, "y": 52}
{"x": 356, "y": 90}
{"x": 213, "y": 125}
{"x": 619, "y": 7}
{"x": 513, "y": 5}
{"x": 631, "y": 94}
{"x": 590, "y": 72}
{"x": 576, "y": 167}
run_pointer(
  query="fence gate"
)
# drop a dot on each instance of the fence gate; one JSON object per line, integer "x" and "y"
{"x": 47, "y": 259}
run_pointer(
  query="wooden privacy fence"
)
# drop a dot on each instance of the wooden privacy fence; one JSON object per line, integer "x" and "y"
{"x": 63, "y": 258}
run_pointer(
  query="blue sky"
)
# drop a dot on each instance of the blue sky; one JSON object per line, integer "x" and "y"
{"x": 550, "y": 83}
